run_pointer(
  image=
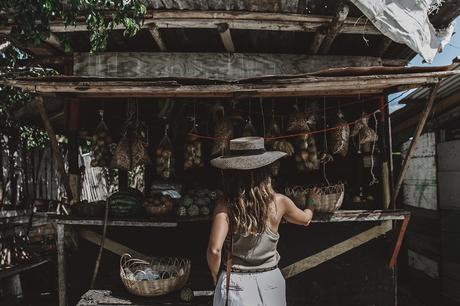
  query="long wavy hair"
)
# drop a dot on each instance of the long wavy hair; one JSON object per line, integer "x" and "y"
{"x": 248, "y": 194}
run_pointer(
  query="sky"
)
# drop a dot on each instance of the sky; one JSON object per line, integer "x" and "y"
{"x": 451, "y": 51}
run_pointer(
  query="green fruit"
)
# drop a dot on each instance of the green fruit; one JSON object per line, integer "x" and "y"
{"x": 186, "y": 201}
{"x": 182, "y": 211}
{"x": 193, "y": 211}
{"x": 204, "y": 211}
{"x": 201, "y": 202}
{"x": 186, "y": 294}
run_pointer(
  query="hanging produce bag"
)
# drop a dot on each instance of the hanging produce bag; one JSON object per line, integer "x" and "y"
{"x": 122, "y": 156}
{"x": 165, "y": 157}
{"x": 298, "y": 121}
{"x": 223, "y": 132}
{"x": 101, "y": 142}
{"x": 193, "y": 151}
{"x": 273, "y": 131}
{"x": 139, "y": 146}
{"x": 339, "y": 137}
{"x": 363, "y": 131}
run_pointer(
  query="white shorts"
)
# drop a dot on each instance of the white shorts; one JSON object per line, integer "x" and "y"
{"x": 254, "y": 289}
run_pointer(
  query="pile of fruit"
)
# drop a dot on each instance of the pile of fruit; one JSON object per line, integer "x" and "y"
{"x": 198, "y": 202}
{"x": 158, "y": 204}
{"x": 125, "y": 203}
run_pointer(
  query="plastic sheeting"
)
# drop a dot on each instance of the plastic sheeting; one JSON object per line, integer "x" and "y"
{"x": 406, "y": 22}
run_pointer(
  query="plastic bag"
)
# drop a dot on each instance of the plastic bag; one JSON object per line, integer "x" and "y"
{"x": 193, "y": 151}
{"x": 101, "y": 142}
{"x": 139, "y": 152}
{"x": 298, "y": 121}
{"x": 122, "y": 156}
{"x": 338, "y": 139}
{"x": 165, "y": 157}
{"x": 249, "y": 129}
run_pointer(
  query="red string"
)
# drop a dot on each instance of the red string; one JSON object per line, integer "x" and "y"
{"x": 298, "y": 134}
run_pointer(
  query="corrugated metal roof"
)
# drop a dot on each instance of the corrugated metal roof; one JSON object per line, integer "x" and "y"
{"x": 447, "y": 87}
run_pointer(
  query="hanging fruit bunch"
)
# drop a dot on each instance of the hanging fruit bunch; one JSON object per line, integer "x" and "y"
{"x": 193, "y": 151}
{"x": 339, "y": 137}
{"x": 164, "y": 157}
{"x": 223, "y": 131}
{"x": 122, "y": 157}
{"x": 306, "y": 153}
{"x": 101, "y": 142}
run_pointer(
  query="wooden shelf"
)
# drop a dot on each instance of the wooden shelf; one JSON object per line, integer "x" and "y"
{"x": 6, "y": 272}
{"x": 107, "y": 297}
{"x": 338, "y": 216}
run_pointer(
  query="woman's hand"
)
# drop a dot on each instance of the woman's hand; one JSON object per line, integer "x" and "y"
{"x": 313, "y": 199}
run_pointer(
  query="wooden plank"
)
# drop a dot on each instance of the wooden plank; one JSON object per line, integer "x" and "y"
{"x": 117, "y": 223}
{"x": 303, "y": 86}
{"x": 153, "y": 29}
{"x": 7, "y": 272}
{"x": 60, "y": 241}
{"x": 110, "y": 245}
{"x": 226, "y": 37}
{"x": 336, "y": 250}
{"x": 334, "y": 28}
{"x": 223, "y": 66}
{"x": 418, "y": 132}
{"x": 398, "y": 243}
{"x": 317, "y": 40}
{"x": 55, "y": 146}
{"x": 235, "y": 20}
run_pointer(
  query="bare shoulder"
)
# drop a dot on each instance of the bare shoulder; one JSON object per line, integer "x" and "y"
{"x": 282, "y": 201}
{"x": 221, "y": 206}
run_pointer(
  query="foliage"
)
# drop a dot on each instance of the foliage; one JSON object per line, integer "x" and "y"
{"x": 12, "y": 99}
{"x": 32, "y": 18}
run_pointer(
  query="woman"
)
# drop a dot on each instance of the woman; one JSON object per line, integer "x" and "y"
{"x": 252, "y": 212}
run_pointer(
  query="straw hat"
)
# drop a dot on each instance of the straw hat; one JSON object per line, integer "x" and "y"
{"x": 246, "y": 153}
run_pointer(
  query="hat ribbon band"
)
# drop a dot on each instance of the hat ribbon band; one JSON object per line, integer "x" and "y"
{"x": 247, "y": 152}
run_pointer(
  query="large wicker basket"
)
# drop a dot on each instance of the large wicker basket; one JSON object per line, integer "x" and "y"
{"x": 331, "y": 197}
{"x": 173, "y": 274}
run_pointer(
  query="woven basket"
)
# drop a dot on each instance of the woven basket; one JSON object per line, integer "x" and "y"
{"x": 331, "y": 197}
{"x": 173, "y": 274}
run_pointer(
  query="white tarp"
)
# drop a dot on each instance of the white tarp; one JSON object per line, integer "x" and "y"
{"x": 406, "y": 22}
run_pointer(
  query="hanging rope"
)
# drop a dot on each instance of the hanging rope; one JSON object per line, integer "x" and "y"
{"x": 325, "y": 150}
{"x": 374, "y": 179}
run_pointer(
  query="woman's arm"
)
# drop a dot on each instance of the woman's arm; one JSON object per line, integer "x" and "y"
{"x": 295, "y": 215}
{"x": 217, "y": 237}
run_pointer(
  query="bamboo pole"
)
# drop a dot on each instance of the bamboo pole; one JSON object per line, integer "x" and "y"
{"x": 55, "y": 146}
{"x": 418, "y": 132}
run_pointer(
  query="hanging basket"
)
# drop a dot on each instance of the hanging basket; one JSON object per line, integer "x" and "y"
{"x": 331, "y": 197}
{"x": 160, "y": 277}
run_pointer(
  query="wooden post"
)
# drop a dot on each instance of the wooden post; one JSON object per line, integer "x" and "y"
{"x": 318, "y": 40}
{"x": 54, "y": 145}
{"x": 226, "y": 37}
{"x": 153, "y": 29}
{"x": 334, "y": 28}
{"x": 418, "y": 132}
{"x": 72, "y": 156}
{"x": 397, "y": 248}
{"x": 61, "y": 264}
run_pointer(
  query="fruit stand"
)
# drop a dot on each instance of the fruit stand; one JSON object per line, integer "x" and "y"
{"x": 154, "y": 118}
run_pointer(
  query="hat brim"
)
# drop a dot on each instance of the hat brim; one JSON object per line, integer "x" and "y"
{"x": 249, "y": 162}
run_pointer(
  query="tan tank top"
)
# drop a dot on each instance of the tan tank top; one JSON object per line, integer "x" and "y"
{"x": 256, "y": 252}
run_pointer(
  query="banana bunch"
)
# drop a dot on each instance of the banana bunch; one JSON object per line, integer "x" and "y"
{"x": 283, "y": 146}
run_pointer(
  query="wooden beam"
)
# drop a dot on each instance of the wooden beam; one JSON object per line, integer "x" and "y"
{"x": 226, "y": 37}
{"x": 110, "y": 245}
{"x": 336, "y": 250}
{"x": 54, "y": 41}
{"x": 153, "y": 29}
{"x": 282, "y": 87}
{"x": 55, "y": 147}
{"x": 61, "y": 260}
{"x": 318, "y": 40}
{"x": 235, "y": 20}
{"x": 334, "y": 28}
{"x": 223, "y": 66}
{"x": 410, "y": 150}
